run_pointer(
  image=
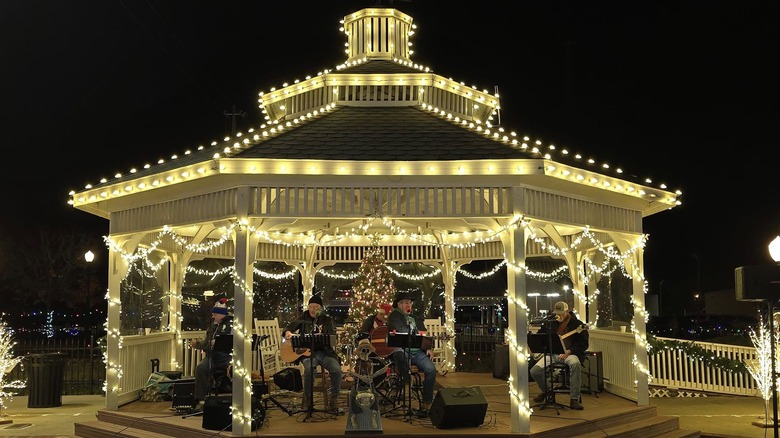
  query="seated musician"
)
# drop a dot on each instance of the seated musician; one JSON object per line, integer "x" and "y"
{"x": 221, "y": 324}
{"x": 378, "y": 319}
{"x": 401, "y": 320}
{"x": 565, "y": 322}
{"x": 312, "y": 321}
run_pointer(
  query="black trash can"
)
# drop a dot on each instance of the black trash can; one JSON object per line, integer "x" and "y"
{"x": 44, "y": 380}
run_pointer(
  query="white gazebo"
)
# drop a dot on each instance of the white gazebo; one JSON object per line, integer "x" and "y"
{"x": 377, "y": 148}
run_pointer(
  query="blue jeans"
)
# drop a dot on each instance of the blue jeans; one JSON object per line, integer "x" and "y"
{"x": 421, "y": 360}
{"x": 329, "y": 363}
{"x": 575, "y": 373}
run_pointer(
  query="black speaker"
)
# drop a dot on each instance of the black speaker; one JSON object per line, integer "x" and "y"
{"x": 216, "y": 413}
{"x": 757, "y": 283}
{"x": 501, "y": 361}
{"x": 183, "y": 396}
{"x": 259, "y": 388}
{"x": 458, "y": 407}
{"x": 592, "y": 373}
{"x": 289, "y": 379}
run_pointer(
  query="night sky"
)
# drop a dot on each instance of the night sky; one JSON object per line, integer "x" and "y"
{"x": 679, "y": 91}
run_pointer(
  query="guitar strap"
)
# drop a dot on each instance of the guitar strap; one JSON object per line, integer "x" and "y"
{"x": 564, "y": 324}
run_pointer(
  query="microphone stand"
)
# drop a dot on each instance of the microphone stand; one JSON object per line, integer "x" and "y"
{"x": 309, "y": 341}
{"x": 550, "y": 395}
{"x": 407, "y": 350}
{"x": 267, "y": 396}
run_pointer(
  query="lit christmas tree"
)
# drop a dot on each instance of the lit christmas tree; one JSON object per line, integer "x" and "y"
{"x": 761, "y": 367}
{"x": 7, "y": 364}
{"x": 373, "y": 286}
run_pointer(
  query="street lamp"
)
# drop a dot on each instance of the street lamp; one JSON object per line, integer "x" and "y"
{"x": 774, "y": 249}
{"x": 89, "y": 257}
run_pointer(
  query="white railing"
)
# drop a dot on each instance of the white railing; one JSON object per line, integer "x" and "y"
{"x": 135, "y": 358}
{"x": 671, "y": 368}
{"x": 190, "y": 356}
{"x": 675, "y": 368}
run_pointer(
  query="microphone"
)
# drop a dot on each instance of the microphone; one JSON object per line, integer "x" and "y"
{"x": 551, "y": 317}
{"x": 264, "y": 337}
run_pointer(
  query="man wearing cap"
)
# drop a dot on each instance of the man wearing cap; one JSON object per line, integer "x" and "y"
{"x": 314, "y": 320}
{"x": 221, "y": 324}
{"x": 565, "y": 322}
{"x": 401, "y": 320}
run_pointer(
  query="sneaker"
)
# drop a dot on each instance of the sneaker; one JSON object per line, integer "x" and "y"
{"x": 540, "y": 398}
{"x": 575, "y": 404}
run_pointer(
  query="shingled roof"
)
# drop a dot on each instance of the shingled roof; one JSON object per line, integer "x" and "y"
{"x": 382, "y": 134}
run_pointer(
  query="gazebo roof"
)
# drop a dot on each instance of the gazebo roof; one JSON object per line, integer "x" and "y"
{"x": 377, "y": 107}
{"x": 382, "y": 134}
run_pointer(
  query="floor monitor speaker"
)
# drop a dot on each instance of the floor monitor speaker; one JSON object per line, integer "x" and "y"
{"x": 458, "y": 407}
{"x": 216, "y": 413}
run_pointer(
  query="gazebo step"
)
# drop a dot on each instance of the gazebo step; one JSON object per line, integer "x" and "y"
{"x": 104, "y": 429}
{"x": 647, "y": 427}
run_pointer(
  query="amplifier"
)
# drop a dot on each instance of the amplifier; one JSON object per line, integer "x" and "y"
{"x": 592, "y": 373}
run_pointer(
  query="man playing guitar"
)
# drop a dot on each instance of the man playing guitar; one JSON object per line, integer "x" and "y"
{"x": 566, "y": 325}
{"x": 401, "y": 320}
{"x": 313, "y": 321}
{"x": 373, "y": 321}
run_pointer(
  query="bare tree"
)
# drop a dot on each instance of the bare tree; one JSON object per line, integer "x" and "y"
{"x": 46, "y": 268}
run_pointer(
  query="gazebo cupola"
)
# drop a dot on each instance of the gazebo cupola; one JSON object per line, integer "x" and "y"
{"x": 379, "y": 72}
{"x": 378, "y": 33}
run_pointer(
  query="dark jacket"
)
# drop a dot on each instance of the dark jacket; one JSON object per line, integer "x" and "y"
{"x": 225, "y": 327}
{"x": 576, "y": 342}
{"x": 306, "y": 325}
{"x": 368, "y": 327}
{"x": 401, "y": 323}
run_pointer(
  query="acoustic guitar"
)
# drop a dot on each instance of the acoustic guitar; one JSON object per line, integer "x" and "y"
{"x": 379, "y": 341}
{"x": 290, "y": 354}
{"x": 579, "y": 329}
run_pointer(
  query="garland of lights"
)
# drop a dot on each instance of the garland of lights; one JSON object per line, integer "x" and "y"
{"x": 695, "y": 352}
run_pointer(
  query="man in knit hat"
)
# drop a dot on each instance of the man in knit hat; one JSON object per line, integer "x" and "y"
{"x": 221, "y": 324}
{"x": 314, "y": 320}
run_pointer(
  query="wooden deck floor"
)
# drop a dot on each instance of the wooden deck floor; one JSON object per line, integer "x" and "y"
{"x": 548, "y": 421}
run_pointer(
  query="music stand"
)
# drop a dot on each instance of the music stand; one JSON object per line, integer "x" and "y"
{"x": 548, "y": 343}
{"x": 406, "y": 341}
{"x": 223, "y": 344}
{"x": 311, "y": 341}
